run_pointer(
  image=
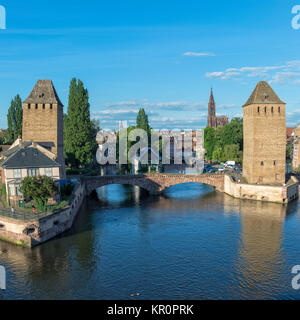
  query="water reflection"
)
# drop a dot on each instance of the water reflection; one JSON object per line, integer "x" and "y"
{"x": 260, "y": 262}
{"x": 190, "y": 243}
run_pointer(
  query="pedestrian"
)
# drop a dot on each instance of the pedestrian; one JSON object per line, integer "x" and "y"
{"x": 12, "y": 210}
{"x": 33, "y": 209}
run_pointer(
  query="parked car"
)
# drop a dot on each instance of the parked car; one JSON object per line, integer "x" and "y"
{"x": 229, "y": 164}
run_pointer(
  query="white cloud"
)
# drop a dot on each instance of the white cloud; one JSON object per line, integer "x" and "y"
{"x": 120, "y": 111}
{"x": 119, "y": 114}
{"x": 281, "y": 77}
{"x": 199, "y": 54}
{"x": 136, "y": 105}
{"x": 120, "y": 104}
{"x": 290, "y": 71}
{"x": 172, "y": 123}
{"x": 227, "y": 106}
{"x": 110, "y": 118}
{"x": 175, "y": 105}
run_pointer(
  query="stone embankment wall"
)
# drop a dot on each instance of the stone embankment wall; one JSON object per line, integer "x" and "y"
{"x": 40, "y": 230}
{"x": 280, "y": 194}
{"x": 35, "y": 232}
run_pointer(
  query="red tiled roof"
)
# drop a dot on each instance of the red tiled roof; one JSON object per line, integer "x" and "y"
{"x": 289, "y": 131}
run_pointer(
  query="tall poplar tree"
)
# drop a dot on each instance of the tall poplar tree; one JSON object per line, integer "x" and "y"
{"x": 79, "y": 130}
{"x": 14, "y": 119}
{"x": 19, "y": 117}
{"x": 142, "y": 120}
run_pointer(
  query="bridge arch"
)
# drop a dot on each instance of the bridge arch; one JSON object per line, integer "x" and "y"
{"x": 154, "y": 183}
{"x": 134, "y": 180}
{"x": 189, "y": 182}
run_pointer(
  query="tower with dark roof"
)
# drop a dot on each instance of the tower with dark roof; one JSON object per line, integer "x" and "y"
{"x": 264, "y": 126}
{"x": 212, "y": 120}
{"x": 43, "y": 119}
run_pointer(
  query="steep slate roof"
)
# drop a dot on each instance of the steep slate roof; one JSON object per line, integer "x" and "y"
{"x": 28, "y": 157}
{"x": 4, "y": 148}
{"x": 263, "y": 94}
{"x": 43, "y": 92}
{"x": 25, "y": 144}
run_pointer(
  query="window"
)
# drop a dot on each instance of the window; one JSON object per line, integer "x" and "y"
{"x": 34, "y": 172}
{"x": 12, "y": 190}
{"x": 44, "y": 106}
{"x": 278, "y": 109}
{"x": 28, "y": 106}
{"x": 18, "y": 192}
{"x": 265, "y": 109}
{"x": 17, "y": 173}
{"x": 274, "y": 163}
{"x": 258, "y": 109}
{"x": 262, "y": 163}
{"x": 51, "y": 106}
{"x": 48, "y": 172}
{"x": 272, "y": 109}
{"x": 36, "y": 106}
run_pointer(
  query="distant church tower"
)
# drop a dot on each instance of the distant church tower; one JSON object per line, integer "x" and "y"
{"x": 43, "y": 120}
{"x": 212, "y": 119}
{"x": 264, "y": 137}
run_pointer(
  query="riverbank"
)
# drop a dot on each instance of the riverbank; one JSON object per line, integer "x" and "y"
{"x": 279, "y": 194}
{"x": 31, "y": 230}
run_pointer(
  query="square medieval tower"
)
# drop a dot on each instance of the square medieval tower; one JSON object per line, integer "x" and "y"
{"x": 264, "y": 137}
{"x": 43, "y": 120}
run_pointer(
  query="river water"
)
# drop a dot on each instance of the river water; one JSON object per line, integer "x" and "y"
{"x": 190, "y": 243}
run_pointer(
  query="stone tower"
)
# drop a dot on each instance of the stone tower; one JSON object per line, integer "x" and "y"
{"x": 212, "y": 120}
{"x": 43, "y": 120}
{"x": 264, "y": 137}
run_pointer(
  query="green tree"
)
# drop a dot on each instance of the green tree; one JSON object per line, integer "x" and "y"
{"x": 225, "y": 143}
{"x": 18, "y": 117}
{"x": 209, "y": 141}
{"x": 289, "y": 152}
{"x": 3, "y": 138}
{"x": 142, "y": 121}
{"x": 80, "y": 142}
{"x": 14, "y": 119}
{"x": 231, "y": 133}
{"x": 40, "y": 189}
{"x": 232, "y": 153}
{"x": 218, "y": 154}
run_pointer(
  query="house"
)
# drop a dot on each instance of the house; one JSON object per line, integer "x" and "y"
{"x": 23, "y": 160}
{"x": 290, "y": 131}
{"x": 147, "y": 156}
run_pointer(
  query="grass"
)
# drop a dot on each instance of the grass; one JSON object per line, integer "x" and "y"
{"x": 47, "y": 208}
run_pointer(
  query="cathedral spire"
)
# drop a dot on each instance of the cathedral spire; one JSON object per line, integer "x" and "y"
{"x": 212, "y": 120}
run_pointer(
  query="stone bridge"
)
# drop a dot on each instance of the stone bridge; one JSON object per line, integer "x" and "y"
{"x": 154, "y": 183}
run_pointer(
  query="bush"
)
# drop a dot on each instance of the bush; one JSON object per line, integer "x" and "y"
{"x": 3, "y": 193}
{"x": 40, "y": 189}
{"x": 57, "y": 207}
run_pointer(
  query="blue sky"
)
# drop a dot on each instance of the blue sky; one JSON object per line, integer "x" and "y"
{"x": 161, "y": 55}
